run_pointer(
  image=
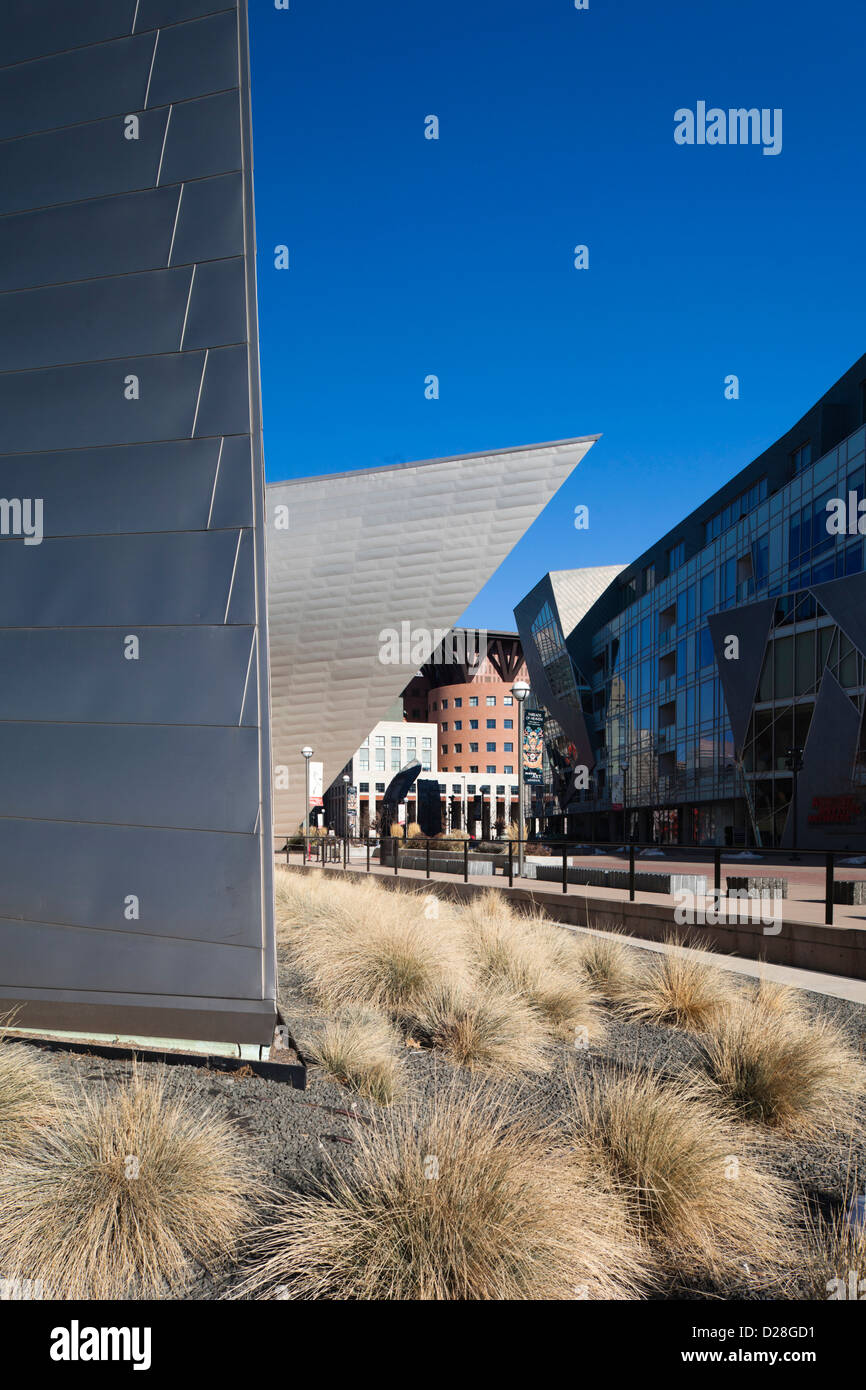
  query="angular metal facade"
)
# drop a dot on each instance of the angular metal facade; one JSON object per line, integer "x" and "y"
{"x": 135, "y": 818}
{"x": 352, "y": 555}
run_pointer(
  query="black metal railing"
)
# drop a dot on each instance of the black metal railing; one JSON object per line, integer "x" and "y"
{"x": 389, "y": 849}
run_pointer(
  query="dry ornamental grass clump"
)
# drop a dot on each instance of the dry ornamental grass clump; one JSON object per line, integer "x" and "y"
{"x": 690, "y": 1191}
{"x": 782, "y": 1069}
{"x": 610, "y": 964}
{"x": 123, "y": 1194}
{"x": 461, "y": 1202}
{"x": 683, "y": 988}
{"x": 26, "y": 1092}
{"x": 359, "y": 1049}
{"x": 483, "y": 1027}
{"x": 535, "y": 960}
{"x": 359, "y": 943}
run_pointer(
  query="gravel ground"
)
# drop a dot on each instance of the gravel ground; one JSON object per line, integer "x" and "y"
{"x": 292, "y": 1133}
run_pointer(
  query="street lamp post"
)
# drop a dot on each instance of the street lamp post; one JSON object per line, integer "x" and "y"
{"x": 626, "y": 827}
{"x": 520, "y": 690}
{"x": 306, "y": 754}
{"x": 794, "y": 761}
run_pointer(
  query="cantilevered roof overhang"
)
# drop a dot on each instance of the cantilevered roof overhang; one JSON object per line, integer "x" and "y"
{"x": 354, "y": 555}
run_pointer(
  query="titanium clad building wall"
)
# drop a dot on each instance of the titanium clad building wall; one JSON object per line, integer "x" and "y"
{"x": 135, "y": 864}
{"x": 354, "y": 554}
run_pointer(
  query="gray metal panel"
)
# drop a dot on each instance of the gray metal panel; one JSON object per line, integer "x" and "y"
{"x": 828, "y": 758}
{"x": 196, "y": 58}
{"x": 242, "y": 603}
{"x": 348, "y": 566}
{"x": 217, "y": 305}
{"x": 28, "y": 31}
{"x": 140, "y": 780}
{"x": 47, "y": 874}
{"x": 210, "y": 221}
{"x": 88, "y": 404}
{"x": 231, "y": 496}
{"x": 83, "y": 85}
{"x": 200, "y": 221}
{"x": 131, "y": 774}
{"x": 105, "y": 236}
{"x": 182, "y": 577}
{"x": 154, "y": 13}
{"x": 166, "y": 486}
{"x": 65, "y": 957}
{"x": 131, "y": 315}
{"x": 85, "y": 161}
{"x": 203, "y": 138}
{"x": 739, "y": 676}
{"x": 224, "y": 407}
{"x": 181, "y": 675}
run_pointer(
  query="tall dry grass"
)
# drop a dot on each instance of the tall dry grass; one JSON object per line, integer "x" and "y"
{"x": 27, "y": 1092}
{"x": 361, "y": 944}
{"x": 777, "y": 1067}
{"x": 459, "y": 1202}
{"x": 690, "y": 1190}
{"x": 530, "y": 957}
{"x": 359, "y": 1048}
{"x": 610, "y": 964}
{"x": 123, "y": 1194}
{"x": 483, "y": 1027}
{"x": 683, "y": 987}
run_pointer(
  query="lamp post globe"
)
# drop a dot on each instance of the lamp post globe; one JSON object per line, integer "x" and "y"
{"x": 520, "y": 690}
{"x": 306, "y": 754}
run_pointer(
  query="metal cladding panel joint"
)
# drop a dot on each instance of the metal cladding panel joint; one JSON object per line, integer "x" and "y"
{"x": 136, "y": 890}
{"x": 343, "y": 568}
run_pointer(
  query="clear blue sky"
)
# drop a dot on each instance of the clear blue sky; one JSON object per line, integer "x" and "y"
{"x": 454, "y": 257}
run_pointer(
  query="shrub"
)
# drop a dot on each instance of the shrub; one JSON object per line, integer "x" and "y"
{"x": 530, "y": 957}
{"x": 451, "y": 839}
{"x": 483, "y": 1027}
{"x": 459, "y": 1203}
{"x": 122, "y": 1194}
{"x": 26, "y": 1091}
{"x": 358, "y": 1048}
{"x": 369, "y": 946}
{"x": 413, "y": 830}
{"x": 688, "y": 1190}
{"x": 777, "y": 999}
{"x": 781, "y": 1069}
{"x": 609, "y": 963}
{"x": 682, "y": 987}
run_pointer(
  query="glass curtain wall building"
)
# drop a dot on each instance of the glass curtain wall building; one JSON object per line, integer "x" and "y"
{"x": 720, "y": 678}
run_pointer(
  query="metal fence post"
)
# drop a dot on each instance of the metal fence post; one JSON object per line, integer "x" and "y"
{"x": 564, "y": 870}
{"x": 394, "y": 852}
{"x": 631, "y": 871}
{"x": 828, "y": 891}
{"x": 717, "y": 870}
{"x": 465, "y": 861}
{"x": 368, "y": 853}
{"x": 428, "y": 857}
{"x": 510, "y": 863}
